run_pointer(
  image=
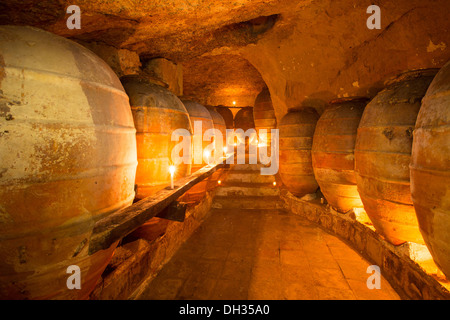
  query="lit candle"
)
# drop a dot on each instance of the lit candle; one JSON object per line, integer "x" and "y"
{"x": 207, "y": 155}
{"x": 172, "y": 172}
{"x": 213, "y": 158}
{"x": 225, "y": 150}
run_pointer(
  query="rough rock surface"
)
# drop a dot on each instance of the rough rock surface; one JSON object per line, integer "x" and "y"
{"x": 122, "y": 61}
{"x": 307, "y": 52}
{"x": 166, "y": 71}
{"x": 222, "y": 79}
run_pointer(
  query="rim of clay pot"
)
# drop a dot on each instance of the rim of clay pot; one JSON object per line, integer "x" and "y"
{"x": 410, "y": 75}
{"x": 301, "y": 108}
{"x": 145, "y": 78}
{"x": 338, "y": 101}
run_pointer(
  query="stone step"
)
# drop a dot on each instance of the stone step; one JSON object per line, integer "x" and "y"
{"x": 248, "y": 176}
{"x": 247, "y": 202}
{"x": 251, "y": 211}
{"x": 246, "y": 167}
{"x": 247, "y": 189}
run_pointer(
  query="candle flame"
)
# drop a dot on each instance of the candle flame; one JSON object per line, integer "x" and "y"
{"x": 172, "y": 169}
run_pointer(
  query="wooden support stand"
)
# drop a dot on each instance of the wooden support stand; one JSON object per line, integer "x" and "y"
{"x": 176, "y": 211}
{"x": 163, "y": 204}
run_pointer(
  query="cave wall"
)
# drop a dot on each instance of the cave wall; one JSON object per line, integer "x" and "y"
{"x": 307, "y": 52}
{"x": 325, "y": 50}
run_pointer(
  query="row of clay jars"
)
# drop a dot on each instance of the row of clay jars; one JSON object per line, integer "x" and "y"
{"x": 361, "y": 155}
{"x": 72, "y": 156}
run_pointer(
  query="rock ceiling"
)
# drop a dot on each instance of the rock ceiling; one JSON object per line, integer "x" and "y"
{"x": 230, "y": 79}
{"x": 307, "y": 51}
{"x": 175, "y": 29}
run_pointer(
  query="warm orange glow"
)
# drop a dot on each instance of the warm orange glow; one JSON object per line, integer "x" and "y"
{"x": 234, "y": 103}
{"x": 274, "y": 184}
{"x": 207, "y": 156}
{"x": 253, "y": 139}
{"x": 219, "y": 182}
{"x": 172, "y": 172}
{"x": 362, "y": 217}
{"x": 225, "y": 150}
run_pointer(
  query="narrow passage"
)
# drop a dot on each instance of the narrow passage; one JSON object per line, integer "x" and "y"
{"x": 263, "y": 255}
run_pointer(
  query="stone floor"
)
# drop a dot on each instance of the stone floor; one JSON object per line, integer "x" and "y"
{"x": 264, "y": 255}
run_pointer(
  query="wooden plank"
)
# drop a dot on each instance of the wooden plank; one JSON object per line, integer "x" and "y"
{"x": 121, "y": 223}
{"x": 176, "y": 211}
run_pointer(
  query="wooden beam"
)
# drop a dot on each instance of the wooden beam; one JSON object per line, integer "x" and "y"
{"x": 121, "y": 223}
{"x": 176, "y": 211}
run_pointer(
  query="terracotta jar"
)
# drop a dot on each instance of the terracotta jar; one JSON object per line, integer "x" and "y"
{"x": 383, "y": 154}
{"x": 333, "y": 152}
{"x": 430, "y": 169}
{"x": 198, "y": 112}
{"x": 67, "y": 159}
{"x": 264, "y": 116}
{"x": 157, "y": 113}
{"x": 296, "y": 137}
